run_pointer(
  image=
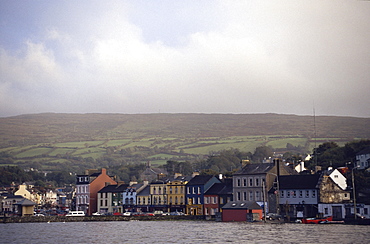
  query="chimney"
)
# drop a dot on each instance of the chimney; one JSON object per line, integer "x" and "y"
{"x": 103, "y": 171}
{"x": 277, "y": 164}
{"x": 244, "y": 162}
{"x": 301, "y": 166}
{"x": 133, "y": 183}
{"x": 177, "y": 175}
{"x": 194, "y": 174}
{"x": 107, "y": 183}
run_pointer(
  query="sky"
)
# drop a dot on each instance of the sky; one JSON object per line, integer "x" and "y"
{"x": 165, "y": 56}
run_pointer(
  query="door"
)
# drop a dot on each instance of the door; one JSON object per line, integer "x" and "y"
{"x": 337, "y": 212}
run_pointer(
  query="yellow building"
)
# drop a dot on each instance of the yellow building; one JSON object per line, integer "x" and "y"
{"x": 176, "y": 193}
{"x": 158, "y": 193}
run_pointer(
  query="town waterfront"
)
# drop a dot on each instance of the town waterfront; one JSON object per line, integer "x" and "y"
{"x": 180, "y": 232}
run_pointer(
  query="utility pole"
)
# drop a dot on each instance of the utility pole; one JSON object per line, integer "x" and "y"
{"x": 354, "y": 193}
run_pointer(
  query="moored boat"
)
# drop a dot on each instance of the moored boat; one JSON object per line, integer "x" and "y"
{"x": 317, "y": 220}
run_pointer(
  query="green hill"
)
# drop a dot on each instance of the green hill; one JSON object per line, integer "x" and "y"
{"x": 75, "y": 141}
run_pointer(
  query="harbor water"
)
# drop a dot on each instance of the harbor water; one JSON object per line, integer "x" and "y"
{"x": 180, "y": 232}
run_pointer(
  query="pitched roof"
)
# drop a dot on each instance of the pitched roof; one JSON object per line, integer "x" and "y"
{"x": 259, "y": 168}
{"x": 114, "y": 188}
{"x": 228, "y": 189}
{"x": 145, "y": 191}
{"x": 25, "y": 202}
{"x": 298, "y": 181}
{"x": 215, "y": 189}
{"x": 200, "y": 179}
{"x": 241, "y": 205}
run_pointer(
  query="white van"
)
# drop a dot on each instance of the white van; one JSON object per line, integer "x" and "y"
{"x": 75, "y": 213}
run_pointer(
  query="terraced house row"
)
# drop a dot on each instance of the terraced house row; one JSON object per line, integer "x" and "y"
{"x": 269, "y": 187}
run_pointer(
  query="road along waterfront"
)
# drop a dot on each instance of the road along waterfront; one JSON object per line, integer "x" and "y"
{"x": 179, "y": 232}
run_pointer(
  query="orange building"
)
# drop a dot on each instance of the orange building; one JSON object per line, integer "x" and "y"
{"x": 87, "y": 187}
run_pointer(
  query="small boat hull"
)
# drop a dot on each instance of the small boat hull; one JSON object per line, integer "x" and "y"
{"x": 317, "y": 220}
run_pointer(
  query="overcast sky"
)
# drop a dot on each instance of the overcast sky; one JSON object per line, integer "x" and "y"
{"x": 185, "y": 57}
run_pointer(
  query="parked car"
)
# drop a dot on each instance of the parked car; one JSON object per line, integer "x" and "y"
{"x": 138, "y": 214}
{"x": 97, "y": 214}
{"x": 127, "y": 214}
{"x": 75, "y": 213}
{"x": 273, "y": 216}
{"x": 117, "y": 214}
{"x": 177, "y": 213}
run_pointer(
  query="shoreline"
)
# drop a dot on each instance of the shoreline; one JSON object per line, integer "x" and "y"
{"x": 41, "y": 219}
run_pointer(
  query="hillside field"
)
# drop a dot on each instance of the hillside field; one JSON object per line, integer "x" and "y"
{"x": 50, "y": 140}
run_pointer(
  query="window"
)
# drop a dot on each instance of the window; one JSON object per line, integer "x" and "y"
{"x": 245, "y": 196}
{"x": 257, "y": 195}
{"x": 313, "y": 193}
{"x": 288, "y": 194}
{"x": 250, "y": 196}
{"x": 366, "y": 211}
{"x": 198, "y": 189}
{"x": 326, "y": 211}
{"x": 281, "y": 194}
{"x": 250, "y": 182}
{"x": 300, "y": 194}
{"x": 307, "y": 193}
{"x": 294, "y": 194}
{"x": 237, "y": 182}
{"x": 193, "y": 190}
{"x": 244, "y": 182}
{"x": 335, "y": 176}
{"x": 257, "y": 182}
{"x": 175, "y": 189}
{"x": 188, "y": 190}
{"x": 206, "y": 200}
{"x": 238, "y": 196}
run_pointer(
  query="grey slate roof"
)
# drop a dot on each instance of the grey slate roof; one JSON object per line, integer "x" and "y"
{"x": 215, "y": 189}
{"x": 241, "y": 205}
{"x": 200, "y": 179}
{"x": 114, "y": 188}
{"x": 25, "y": 202}
{"x": 298, "y": 181}
{"x": 145, "y": 191}
{"x": 260, "y": 168}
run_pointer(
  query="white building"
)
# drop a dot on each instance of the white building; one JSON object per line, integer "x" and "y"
{"x": 363, "y": 158}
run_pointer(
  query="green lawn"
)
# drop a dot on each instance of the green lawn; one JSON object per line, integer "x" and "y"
{"x": 281, "y": 143}
{"x": 81, "y": 144}
{"x": 33, "y": 152}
